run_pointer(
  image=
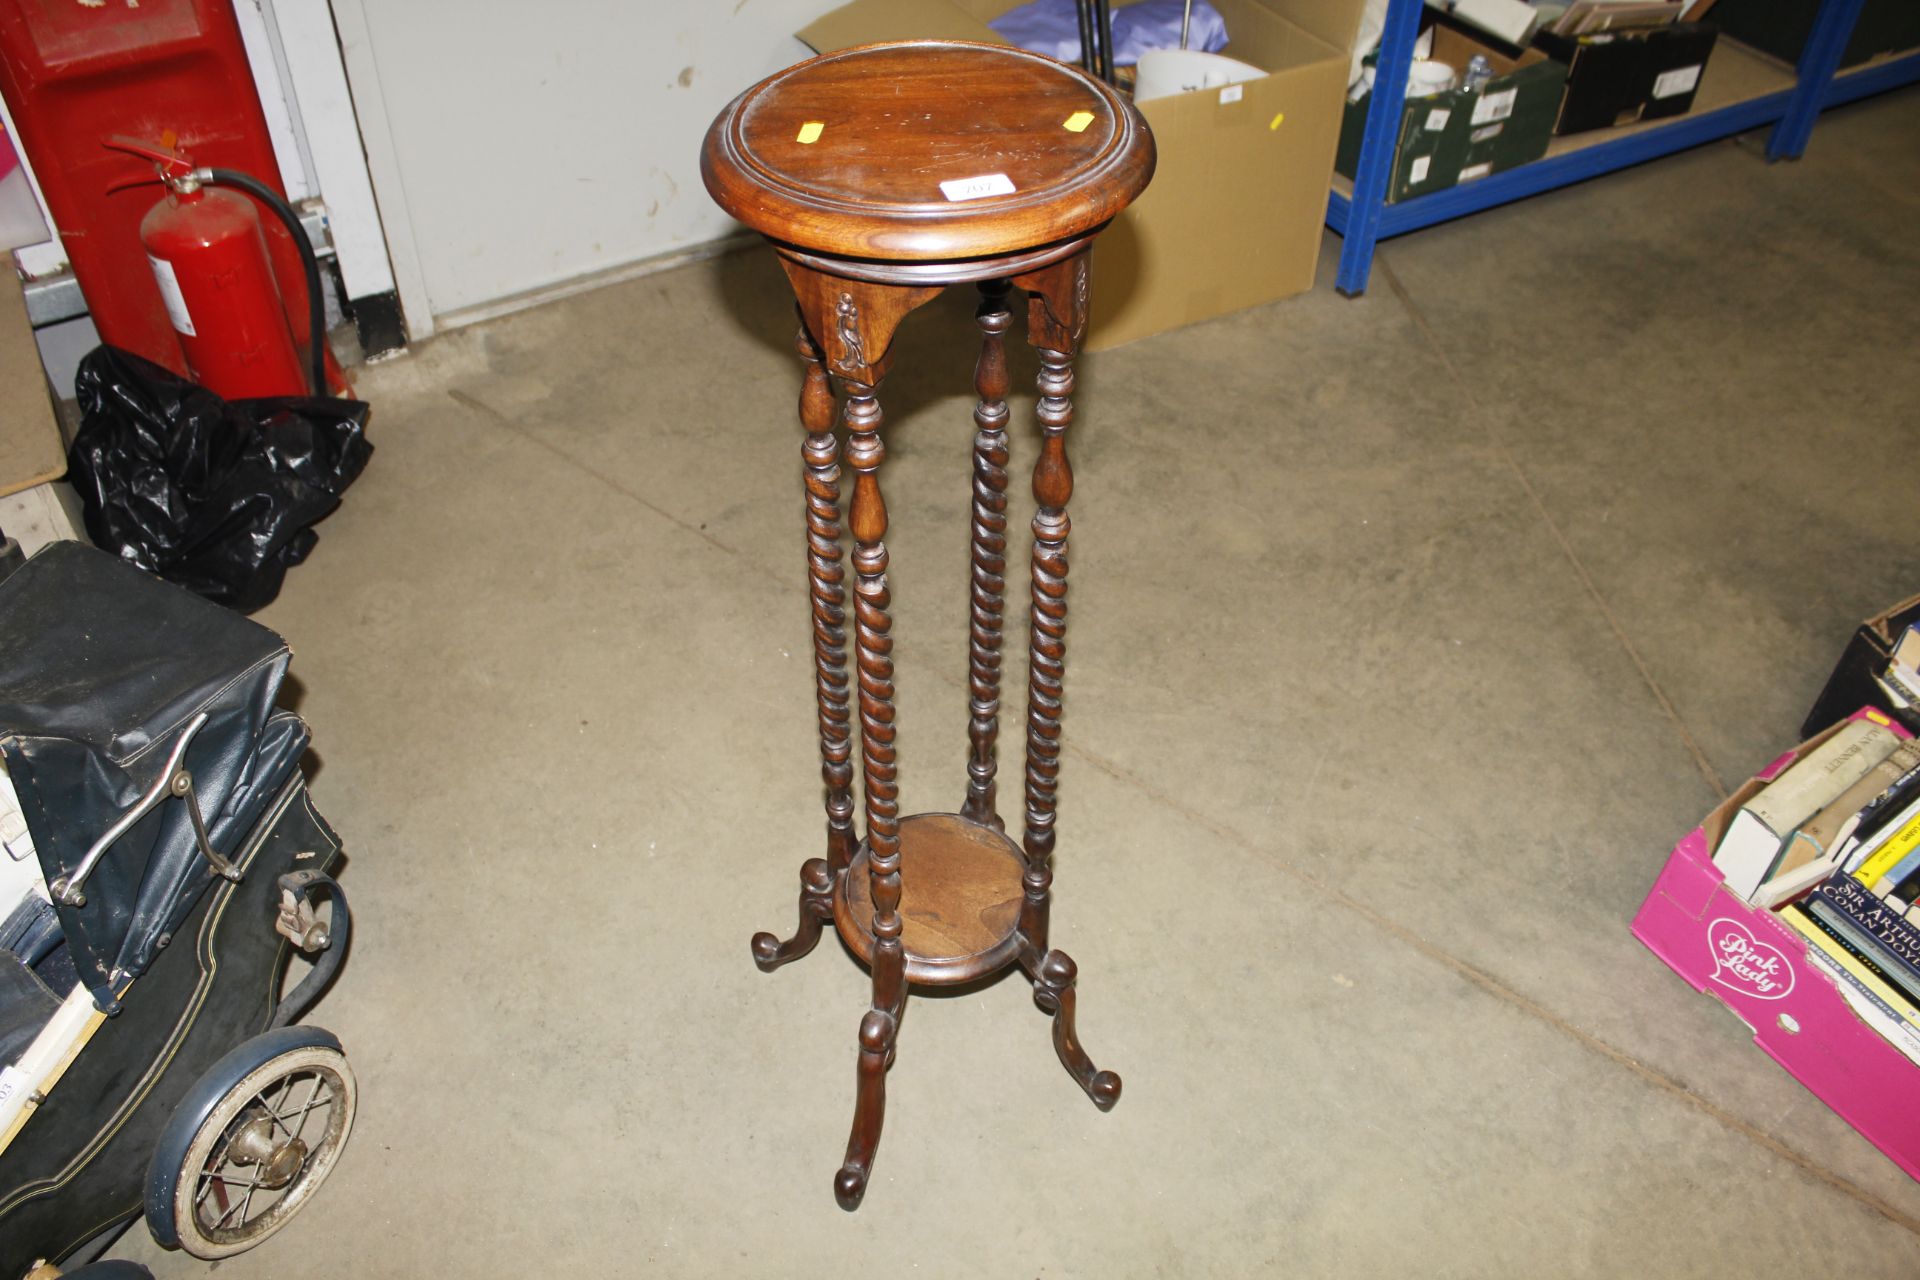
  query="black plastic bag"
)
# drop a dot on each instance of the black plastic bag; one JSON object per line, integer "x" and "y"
{"x": 215, "y": 495}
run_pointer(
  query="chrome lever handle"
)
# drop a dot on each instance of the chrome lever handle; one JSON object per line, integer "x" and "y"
{"x": 174, "y": 781}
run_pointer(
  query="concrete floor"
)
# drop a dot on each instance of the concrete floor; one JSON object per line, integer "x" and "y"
{"x": 1408, "y": 635}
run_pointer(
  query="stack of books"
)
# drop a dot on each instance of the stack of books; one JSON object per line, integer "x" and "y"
{"x": 1901, "y": 680}
{"x": 1832, "y": 846}
{"x": 1590, "y": 17}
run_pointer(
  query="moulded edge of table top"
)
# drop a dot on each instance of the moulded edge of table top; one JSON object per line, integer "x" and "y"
{"x": 933, "y": 231}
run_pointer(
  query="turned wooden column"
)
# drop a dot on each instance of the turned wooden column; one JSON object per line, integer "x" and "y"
{"x": 827, "y": 584}
{"x": 989, "y": 590}
{"x": 882, "y": 175}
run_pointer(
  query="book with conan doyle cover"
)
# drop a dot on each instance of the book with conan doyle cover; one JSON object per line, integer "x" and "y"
{"x": 1753, "y": 840}
{"x": 1890, "y": 939}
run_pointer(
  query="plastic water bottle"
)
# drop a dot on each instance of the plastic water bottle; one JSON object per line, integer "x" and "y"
{"x": 1479, "y": 71}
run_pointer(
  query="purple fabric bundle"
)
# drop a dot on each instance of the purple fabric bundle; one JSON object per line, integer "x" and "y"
{"x": 1052, "y": 27}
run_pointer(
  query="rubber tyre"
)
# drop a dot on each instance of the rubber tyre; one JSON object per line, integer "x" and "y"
{"x": 221, "y": 1094}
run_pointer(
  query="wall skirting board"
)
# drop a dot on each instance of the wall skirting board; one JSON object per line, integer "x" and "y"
{"x": 595, "y": 280}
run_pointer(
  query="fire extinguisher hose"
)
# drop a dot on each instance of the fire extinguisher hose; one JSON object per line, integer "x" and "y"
{"x": 316, "y": 303}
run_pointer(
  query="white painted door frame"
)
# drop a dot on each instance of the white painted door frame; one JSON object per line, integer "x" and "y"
{"x": 336, "y": 144}
{"x": 326, "y": 47}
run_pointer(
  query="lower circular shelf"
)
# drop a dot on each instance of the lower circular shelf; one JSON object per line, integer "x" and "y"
{"x": 960, "y": 895}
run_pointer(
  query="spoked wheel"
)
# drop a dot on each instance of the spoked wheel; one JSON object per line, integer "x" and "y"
{"x": 270, "y": 1122}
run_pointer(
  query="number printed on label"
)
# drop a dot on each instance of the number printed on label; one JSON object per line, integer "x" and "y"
{"x": 990, "y": 184}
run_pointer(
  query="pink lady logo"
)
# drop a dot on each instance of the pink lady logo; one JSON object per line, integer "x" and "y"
{"x": 1745, "y": 963}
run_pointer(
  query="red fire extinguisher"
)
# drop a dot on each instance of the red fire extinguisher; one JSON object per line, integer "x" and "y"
{"x": 209, "y": 258}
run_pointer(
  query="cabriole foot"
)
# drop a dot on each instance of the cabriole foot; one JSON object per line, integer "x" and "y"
{"x": 816, "y": 907}
{"x": 1053, "y": 991}
{"x": 877, "y": 1032}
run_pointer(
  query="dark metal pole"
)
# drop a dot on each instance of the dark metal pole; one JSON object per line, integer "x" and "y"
{"x": 1103, "y": 15}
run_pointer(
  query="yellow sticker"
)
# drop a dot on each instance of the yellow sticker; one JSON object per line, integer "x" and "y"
{"x": 1877, "y": 718}
{"x": 1278, "y": 118}
{"x": 1079, "y": 120}
{"x": 810, "y": 132}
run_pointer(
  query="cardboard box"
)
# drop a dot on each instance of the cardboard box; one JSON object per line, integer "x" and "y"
{"x": 1619, "y": 77}
{"x": 1758, "y": 967}
{"x": 1462, "y": 134}
{"x": 1854, "y": 683}
{"x": 31, "y": 450}
{"x": 1239, "y": 199}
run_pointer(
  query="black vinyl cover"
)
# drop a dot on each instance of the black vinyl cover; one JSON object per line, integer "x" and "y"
{"x": 216, "y": 495}
{"x": 102, "y": 667}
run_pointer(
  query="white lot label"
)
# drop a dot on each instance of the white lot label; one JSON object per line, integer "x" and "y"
{"x": 14, "y": 1085}
{"x": 990, "y": 184}
{"x": 1482, "y": 135}
{"x": 1437, "y": 119}
{"x": 1231, "y": 93}
{"x": 1678, "y": 80}
{"x": 1473, "y": 171}
{"x": 1494, "y": 106}
{"x": 1418, "y": 171}
{"x": 170, "y": 295}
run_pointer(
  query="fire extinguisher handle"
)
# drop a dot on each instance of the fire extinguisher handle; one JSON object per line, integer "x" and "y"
{"x": 172, "y": 165}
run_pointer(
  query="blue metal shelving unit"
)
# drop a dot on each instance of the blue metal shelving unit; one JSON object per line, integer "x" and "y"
{"x": 1366, "y": 218}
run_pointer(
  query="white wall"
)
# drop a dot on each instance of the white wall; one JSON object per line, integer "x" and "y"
{"x": 518, "y": 145}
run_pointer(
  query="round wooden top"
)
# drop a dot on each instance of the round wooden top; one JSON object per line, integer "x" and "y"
{"x": 927, "y": 150}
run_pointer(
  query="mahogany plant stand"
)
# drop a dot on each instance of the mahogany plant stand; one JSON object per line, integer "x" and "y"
{"x": 882, "y": 175}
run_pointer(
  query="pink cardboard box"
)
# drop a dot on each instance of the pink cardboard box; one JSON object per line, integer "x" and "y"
{"x": 1758, "y": 967}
